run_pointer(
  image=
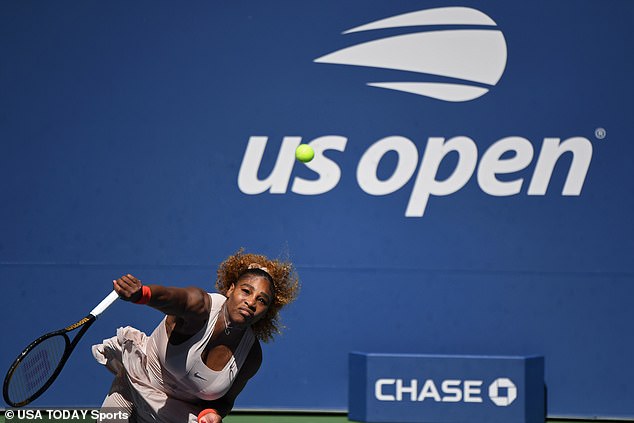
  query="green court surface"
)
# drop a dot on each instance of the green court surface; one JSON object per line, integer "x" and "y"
{"x": 285, "y": 418}
{"x": 273, "y": 418}
{"x": 324, "y": 418}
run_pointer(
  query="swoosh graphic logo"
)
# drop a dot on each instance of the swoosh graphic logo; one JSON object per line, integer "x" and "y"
{"x": 199, "y": 376}
{"x": 471, "y": 59}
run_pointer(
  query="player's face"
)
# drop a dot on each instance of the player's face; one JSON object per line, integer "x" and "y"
{"x": 249, "y": 299}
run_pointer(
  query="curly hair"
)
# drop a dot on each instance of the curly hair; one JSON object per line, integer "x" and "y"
{"x": 285, "y": 286}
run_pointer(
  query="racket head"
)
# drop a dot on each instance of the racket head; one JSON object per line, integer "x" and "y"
{"x": 36, "y": 368}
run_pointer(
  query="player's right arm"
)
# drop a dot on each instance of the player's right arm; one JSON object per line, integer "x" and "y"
{"x": 189, "y": 304}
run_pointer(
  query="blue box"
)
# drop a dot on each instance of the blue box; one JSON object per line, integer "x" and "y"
{"x": 404, "y": 388}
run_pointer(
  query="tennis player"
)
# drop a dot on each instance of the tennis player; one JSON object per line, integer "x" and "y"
{"x": 201, "y": 355}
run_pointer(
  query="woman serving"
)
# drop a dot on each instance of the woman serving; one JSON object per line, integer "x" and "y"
{"x": 202, "y": 354}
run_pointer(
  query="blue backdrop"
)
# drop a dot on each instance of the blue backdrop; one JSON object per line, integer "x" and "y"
{"x": 124, "y": 129}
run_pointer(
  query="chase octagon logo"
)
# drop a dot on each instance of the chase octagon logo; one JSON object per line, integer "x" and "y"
{"x": 468, "y": 61}
{"x": 502, "y": 392}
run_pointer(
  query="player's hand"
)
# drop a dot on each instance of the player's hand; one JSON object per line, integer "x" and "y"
{"x": 128, "y": 287}
{"x": 210, "y": 418}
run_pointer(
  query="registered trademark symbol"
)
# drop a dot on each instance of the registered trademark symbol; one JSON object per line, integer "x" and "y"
{"x": 600, "y": 133}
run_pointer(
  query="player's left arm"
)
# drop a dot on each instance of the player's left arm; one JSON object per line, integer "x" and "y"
{"x": 250, "y": 367}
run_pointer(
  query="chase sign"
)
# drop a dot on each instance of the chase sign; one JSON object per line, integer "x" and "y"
{"x": 437, "y": 388}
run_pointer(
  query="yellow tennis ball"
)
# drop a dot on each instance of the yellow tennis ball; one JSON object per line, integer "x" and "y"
{"x": 304, "y": 153}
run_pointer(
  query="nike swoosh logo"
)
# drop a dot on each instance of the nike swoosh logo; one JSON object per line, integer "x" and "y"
{"x": 199, "y": 376}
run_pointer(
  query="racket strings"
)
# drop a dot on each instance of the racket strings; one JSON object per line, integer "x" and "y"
{"x": 36, "y": 368}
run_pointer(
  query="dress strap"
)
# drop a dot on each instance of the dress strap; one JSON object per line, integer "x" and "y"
{"x": 244, "y": 347}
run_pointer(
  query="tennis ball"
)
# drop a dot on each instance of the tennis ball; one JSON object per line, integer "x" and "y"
{"x": 304, "y": 153}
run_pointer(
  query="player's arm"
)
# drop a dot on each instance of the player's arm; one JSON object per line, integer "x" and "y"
{"x": 186, "y": 303}
{"x": 250, "y": 367}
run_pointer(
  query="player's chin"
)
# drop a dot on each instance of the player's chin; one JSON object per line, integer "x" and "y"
{"x": 242, "y": 320}
{"x": 252, "y": 320}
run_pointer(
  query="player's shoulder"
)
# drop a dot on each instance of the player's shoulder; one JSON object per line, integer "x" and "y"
{"x": 217, "y": 297}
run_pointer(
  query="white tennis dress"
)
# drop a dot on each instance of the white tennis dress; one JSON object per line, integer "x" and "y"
{"x": 162, "y": 382}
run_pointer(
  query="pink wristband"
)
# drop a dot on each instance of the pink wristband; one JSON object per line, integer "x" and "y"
{"x": 146, "y": 294}
{"x": 205, "y": 412}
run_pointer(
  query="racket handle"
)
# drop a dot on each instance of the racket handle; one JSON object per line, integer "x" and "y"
{"x": 105, "y": 303}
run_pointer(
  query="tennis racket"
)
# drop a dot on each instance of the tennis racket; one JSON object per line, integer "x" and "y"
{"x": 40, "y": 363}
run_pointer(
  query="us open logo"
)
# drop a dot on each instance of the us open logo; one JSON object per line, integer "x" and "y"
{"x": 459, "y": 64}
